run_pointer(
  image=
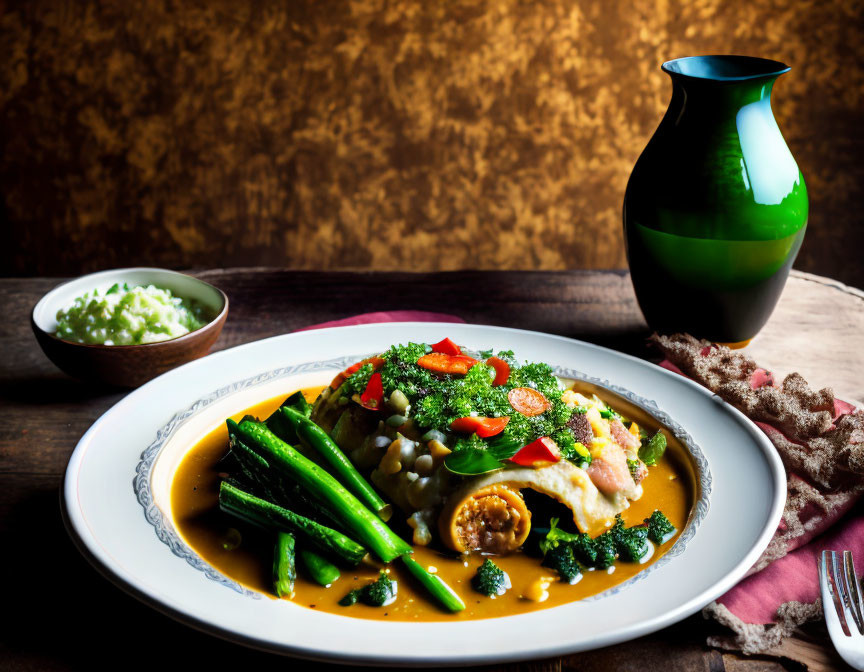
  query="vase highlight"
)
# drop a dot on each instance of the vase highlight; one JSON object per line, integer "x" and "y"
{"x": 716, "y": 207}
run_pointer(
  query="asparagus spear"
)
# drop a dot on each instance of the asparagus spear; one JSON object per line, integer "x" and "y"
{"x": 280, "y": 491}
{"x": 284, "y": 569}
{"x": 436, "y": 586}
{"x": 265, "y": 514}
{"x": 315, "y": 438}
{"x": 252, "y": 466}
{"x": 331, "y": 494}
{"x": 319, "y": 568}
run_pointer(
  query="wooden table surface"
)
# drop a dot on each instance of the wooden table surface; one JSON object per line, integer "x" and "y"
{"x": 65, "y": 616}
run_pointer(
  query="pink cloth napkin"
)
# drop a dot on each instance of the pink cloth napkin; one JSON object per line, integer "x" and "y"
{"x": 794, "y": 577}
{"x": 836, "y": 524}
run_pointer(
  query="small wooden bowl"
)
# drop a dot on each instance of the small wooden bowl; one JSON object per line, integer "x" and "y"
{"x": 127, "y": 365}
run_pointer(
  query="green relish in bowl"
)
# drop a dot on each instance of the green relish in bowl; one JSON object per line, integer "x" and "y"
{"x": 125, "y": 315}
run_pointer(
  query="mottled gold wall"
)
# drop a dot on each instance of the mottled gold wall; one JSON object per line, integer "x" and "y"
{"x": 406, "y": 134}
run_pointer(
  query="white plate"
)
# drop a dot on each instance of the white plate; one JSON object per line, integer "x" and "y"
{"x": 118, "y": 510}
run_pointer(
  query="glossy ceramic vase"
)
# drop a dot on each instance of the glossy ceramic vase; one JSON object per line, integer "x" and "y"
{"x": 715, "y": 208}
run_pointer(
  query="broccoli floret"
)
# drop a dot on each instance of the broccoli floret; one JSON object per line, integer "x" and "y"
{"x": 560, "y": 558}
{"x": 633, "y": 466}
{"x": 563, "y": 550}
{"x": 629, "y": 541}
{"x": 582, "y": 546}
{"x": 490, "y": 579}
{"x": 379, "y": 593}
{"x": 350, "y": 598}
{"x": 660, "y": 530}
{"x": 606, "y": 551}
{"x": 584, "y": 549}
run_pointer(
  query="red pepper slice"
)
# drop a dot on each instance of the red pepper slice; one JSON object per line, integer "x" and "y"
{"x": 376, "y": 362}
{"x": 502, "y": 370}
{"x": 373, "y": 396}
{"x": 447, "y": 347}
{"x": 442, "y": 363}
{"x": 538, "y": 453}
{"x": 483, "y": 427}
{"x": 528, "y": 401}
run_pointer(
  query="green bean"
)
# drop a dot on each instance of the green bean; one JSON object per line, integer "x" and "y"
{"x": 369, "y": 529}
{"x": 435, "y": 585}
{"x": 319, "y": 568}
{"x": 284, "y": 569}
{"x": 315, "y": 438}
{"x": 269, "y": 516}
{"x": 272, "y": 485}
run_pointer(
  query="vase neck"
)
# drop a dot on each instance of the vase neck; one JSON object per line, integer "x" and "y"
{"x": 718, "y": 99}
{"x": 724, "y": 81}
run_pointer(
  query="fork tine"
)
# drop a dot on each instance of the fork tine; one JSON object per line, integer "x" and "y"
{"x": 834, "y": 618}
{"x": 855, "y": 603}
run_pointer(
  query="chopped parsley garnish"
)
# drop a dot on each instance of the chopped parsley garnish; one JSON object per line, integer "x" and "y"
{"x": 358, "y": 381}
{"x": 438, "y": 400}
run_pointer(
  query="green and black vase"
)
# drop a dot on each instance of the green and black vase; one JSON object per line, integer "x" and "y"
{"x": 715, "y": 208}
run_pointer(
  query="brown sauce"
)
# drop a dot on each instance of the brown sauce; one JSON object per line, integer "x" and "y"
{"x": 194, "y": 498}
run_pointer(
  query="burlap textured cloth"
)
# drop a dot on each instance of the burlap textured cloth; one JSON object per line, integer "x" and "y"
{"x": 821, "y": 442}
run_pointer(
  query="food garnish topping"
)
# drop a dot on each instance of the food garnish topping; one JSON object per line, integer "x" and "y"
{"x": 502, "y": 370}
{"x": 528, "y": 401}
{"x": 482, "y": 427}
{"x": 373, "y": 396}
{"x": 538, "y": 453}
{"x": 444, "y": 363}
{"x": 447, "y": 347}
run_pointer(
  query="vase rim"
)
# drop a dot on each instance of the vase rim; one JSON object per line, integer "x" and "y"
{"x": 724, "y": 68}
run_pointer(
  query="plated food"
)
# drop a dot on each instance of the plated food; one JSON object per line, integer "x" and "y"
{"x": 428, "y": 481}
{"x": 149, "y": 438}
